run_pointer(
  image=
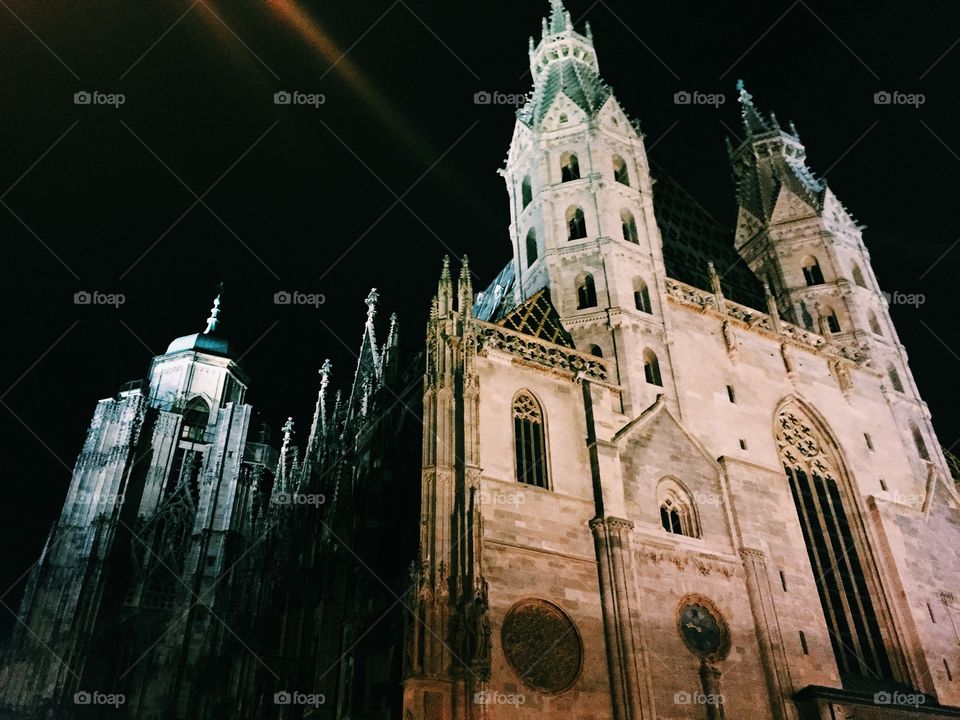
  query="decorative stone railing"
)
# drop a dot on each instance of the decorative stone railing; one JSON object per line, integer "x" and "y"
{"x": 541, "y": 352}
{"x": 706, "y": 300}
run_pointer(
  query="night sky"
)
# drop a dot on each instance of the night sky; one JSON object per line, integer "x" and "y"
{"x": 200, "y": 177}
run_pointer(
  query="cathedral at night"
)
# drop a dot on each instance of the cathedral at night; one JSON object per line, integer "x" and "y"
{"x": 651, "y": 471}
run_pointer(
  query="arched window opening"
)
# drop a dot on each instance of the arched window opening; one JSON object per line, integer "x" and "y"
{"x": 920, "y": 443}
{"x": 596, "y": 351}
{"x": 858, "y": 276}
{"x": 569, "y": 167}
{"x": 620, "y": 172}
{"x": 829, "y": 319}
{"x": 812, "y": 470}
{"x": 874, "y": 324}
{"x": 196, "y": 415}
{"x": 576, "y": 224}
{"x": 532, "y": 248}
{"x": 651, "y": 368}
{"x": 895, "y": 381}
{"x": 526, "y": 192}
{"x": 812, "y": 273}
{"x": 629, "y": 227}
{"x": 641, "y": 296}
{"x": 529, "y": 439}
{"x": 677, "y": 513}
{"x": 586, "y": 292}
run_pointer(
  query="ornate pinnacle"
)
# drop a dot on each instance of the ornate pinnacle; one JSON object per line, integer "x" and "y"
{"x": 392, "y": 335}
{"x": 465, "y": 287}
{"x": 287, "y": 431}
{"x": 371, "y": 302}
{"x": 559, "y": 17}
{"x": 714, "y": 278}
{"x": 325, "y": 371}
{"x": 214, "y": 318}
{"x": 754, "y": 123}
{"x": 320, "y": 412}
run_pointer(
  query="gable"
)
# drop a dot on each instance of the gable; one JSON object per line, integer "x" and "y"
{"x": 656, "y": 451}
{"x": 562, "y": 113}
{"x": 612, "y": 117}
{"x": 790, "y": 206}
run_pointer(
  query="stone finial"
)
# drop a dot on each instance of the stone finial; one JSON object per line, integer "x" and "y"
{"x": 714, "y": 278}
{"x": 287, "y": 431}
{"x": 465, "y": 287}
{"x": 393, "y": 336}
{"x": 325, "y": 370}
{"x": 372, "y": 299}
{"x": 214, "y": 320}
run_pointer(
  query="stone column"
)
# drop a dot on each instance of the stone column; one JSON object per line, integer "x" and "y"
{"x": 713, "y": 696}
{"x": 617, "y": 590}
{"x": 772, "y": 656}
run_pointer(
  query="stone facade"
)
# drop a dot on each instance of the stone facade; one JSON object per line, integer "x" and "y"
{"x": 653, "y": 474}
{"x": 703, "y": 405}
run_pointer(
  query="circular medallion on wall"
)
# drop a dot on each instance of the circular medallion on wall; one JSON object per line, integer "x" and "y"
{"x": 703, "y": 628}
{"x": 542, "y": 645}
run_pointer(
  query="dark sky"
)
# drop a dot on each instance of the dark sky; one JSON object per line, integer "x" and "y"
{"x": 297, "y": 198}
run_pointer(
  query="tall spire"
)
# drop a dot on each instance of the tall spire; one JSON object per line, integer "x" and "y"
{"x": 753, "y": 122}
{"x": 214, "y": 320}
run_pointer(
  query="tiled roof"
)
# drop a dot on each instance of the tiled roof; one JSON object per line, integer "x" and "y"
{"x": 692, "y": 238}
{"x": 575, "y": 79}
{"x": 536, "y": 316}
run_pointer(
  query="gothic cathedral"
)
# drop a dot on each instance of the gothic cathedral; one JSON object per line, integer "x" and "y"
{"x": 651, "y": 471}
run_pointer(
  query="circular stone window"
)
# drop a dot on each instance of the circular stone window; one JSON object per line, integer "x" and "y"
{"x": 542, "y": 645}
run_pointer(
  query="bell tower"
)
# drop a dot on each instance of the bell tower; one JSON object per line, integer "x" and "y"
{"x": 581, "y": 206}
{"x": 802, "y": 242}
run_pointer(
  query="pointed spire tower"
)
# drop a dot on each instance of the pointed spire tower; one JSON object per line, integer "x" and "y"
{"x": 769, "y": 160}
{"x": 581, "y": 202}
{"x": 801, "y": 241}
